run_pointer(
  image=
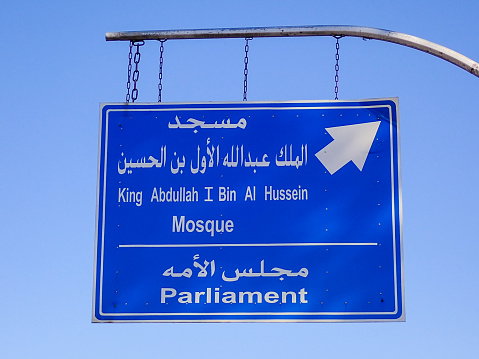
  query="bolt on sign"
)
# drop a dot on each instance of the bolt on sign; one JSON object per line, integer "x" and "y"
{"x": 249, "y": 212}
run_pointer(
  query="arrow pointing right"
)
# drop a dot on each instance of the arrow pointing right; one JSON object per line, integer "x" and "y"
{"x": 351, "y": 143}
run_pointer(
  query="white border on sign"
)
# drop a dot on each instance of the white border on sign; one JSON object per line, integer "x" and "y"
{"x": 103, "y": 214}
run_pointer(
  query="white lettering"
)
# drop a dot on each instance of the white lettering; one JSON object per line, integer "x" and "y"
{"x": 178, "y": 226}
{"x": 211, "y": 226}
{"x": 288, "y": 194}
{"x": 208, "y": 296}
{"x": 164, "y": 294}
{"x": 127, "y": 196}
{"x": 174, "y": 195}
{"x": 208, "y": 197}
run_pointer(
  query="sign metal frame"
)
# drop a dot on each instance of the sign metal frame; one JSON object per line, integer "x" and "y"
{"x": 105, "y": 305}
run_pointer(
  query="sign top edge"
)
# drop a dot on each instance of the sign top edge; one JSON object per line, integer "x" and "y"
{"x": 131, "y": 104}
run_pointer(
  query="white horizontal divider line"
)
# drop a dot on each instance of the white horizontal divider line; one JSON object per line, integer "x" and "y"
{"x": 241, "y": 245}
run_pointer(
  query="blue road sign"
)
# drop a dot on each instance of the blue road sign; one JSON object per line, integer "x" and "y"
{"x": 278, "y": 211}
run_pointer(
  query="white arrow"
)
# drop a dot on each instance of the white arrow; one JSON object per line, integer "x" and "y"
{"x": 351, "y": 143}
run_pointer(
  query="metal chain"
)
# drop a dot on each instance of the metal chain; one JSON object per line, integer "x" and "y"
{"x": 128, "y": 83}
{"x": 245, "y": 82}
{"x": 336, "y": 77}
{"x": 160, "y": 70}
{"x": 136, "y": 73}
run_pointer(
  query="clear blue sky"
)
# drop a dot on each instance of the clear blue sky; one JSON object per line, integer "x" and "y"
{"x": 56, "y": 67}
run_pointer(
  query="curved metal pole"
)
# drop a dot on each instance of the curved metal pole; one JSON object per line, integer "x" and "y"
{"x": 295, "y": 31}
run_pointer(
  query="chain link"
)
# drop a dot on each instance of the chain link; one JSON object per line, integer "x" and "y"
{"x": 160, "y": 70}
{"x": 136, "y": 73}
{"x": 128, "y": 83}
{"x": 336, "y": 77}
{"x": 245, "y": 82}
